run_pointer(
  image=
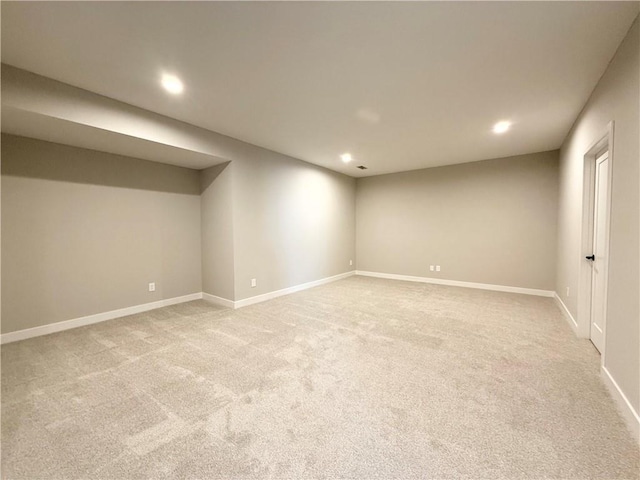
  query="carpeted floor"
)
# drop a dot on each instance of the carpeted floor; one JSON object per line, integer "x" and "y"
{"x": 362, "y": 378}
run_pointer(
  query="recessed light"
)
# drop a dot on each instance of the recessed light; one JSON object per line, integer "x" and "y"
{"x": 346, "y": 157}
{"x": 172, "y": 84}
{"x": 501, "y": 127}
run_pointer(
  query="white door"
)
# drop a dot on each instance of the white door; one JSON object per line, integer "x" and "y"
{"x": 599, "y": 258}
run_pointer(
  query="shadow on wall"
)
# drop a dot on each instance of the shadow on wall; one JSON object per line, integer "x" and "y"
{"x": 25, "y": 157}
{"x": 209, "y": 175}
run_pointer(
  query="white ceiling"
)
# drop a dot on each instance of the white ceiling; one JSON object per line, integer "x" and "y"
{"x": 398, "y": 85}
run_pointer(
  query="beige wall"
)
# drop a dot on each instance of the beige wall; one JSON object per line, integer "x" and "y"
{"x": 217, "y": 231}
{"x": 491, "y": 222}
{"x": 615, "y": 98}
{"x": 274, "y": 218}
{"x": 277, "y": 242}
{"x": 88, "y": 230}
{"x": 84, "y": 232}
{"x": 293, "y": 222}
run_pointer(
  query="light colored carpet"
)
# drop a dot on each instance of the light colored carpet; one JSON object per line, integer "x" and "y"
{"x": 361, "y": 378}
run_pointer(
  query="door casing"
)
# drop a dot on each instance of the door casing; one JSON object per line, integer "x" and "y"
{"x": 600, "y": 244}
{"x": 604, "y": 142}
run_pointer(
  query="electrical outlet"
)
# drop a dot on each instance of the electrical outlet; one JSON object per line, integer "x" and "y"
{"x": 152, "y": 287}
{"x": 350, "y": 262}
{"x": 254, "y": 283}
{"x": 431, "y": 268}
{"x": 567, "y": 292}
{"x": 437, "y": 268}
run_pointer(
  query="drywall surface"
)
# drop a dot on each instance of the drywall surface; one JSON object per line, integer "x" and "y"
{"x": 491, "y": 222}
{"x": 616, "y": 99}
{"x": 85, "y": 232}
{"x": 293, "y": 222}
{"x": 40, "y": 107}
{"x": 217, "y": 231}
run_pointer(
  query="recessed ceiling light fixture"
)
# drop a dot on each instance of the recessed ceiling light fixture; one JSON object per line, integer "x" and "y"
{"x": 172, "y": 84}
{"x": 501, "y": 127}
{"x": 346, "y": 157}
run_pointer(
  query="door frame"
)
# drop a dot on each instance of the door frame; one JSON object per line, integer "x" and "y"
{"x": 604, "y": 142}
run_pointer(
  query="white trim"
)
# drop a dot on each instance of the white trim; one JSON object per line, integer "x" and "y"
{"x": 223, "y": 302}
{"x": 567, "y": 314}
{"x": 630, "y": 416}
{"x": 604, "y": 141}
{"x": 123, "y": 312}
{"x": 456, "y": 283}
{"x": 286, "y": 291}
{"x": 607, "y": 228}
{"x": 96, "y": 318}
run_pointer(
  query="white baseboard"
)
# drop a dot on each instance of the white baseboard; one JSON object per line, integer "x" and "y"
{"x": 123, "y": 312}
{"x": 286, "y": 291}
{"x": 567, "y": 314}
{"x": 223, "y": 302}
{"x": 456, "y": 283}
{"x": 630, "y": 416}
{"x": 89, "y": 319}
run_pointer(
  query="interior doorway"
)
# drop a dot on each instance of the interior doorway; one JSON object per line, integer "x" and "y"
{"x": 599, "y": 257}
{"x": 594, "y": 262}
